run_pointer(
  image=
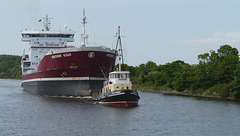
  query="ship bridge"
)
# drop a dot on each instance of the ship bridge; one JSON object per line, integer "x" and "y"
{"x": 28, "y": 36}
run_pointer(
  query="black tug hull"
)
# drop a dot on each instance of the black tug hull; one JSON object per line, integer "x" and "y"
{"x": 120, "y": 98}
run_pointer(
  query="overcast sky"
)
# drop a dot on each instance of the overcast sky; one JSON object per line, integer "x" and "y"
{"x": 158, "y": 30}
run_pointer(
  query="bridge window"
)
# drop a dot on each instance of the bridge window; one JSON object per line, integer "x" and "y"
{"x": 26, "y": 64}
{"x": 49, "y": 35}
{"x": 26, "y": 35}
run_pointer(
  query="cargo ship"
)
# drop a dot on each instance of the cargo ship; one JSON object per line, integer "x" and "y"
{"x": 54, "y": 68}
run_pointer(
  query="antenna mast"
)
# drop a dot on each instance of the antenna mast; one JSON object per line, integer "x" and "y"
{"x": 119, "y": 48}
{"x": 46, "y": 23}
{"x": 83, "y": 35}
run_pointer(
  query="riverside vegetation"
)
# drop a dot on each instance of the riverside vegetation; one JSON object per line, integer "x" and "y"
{"x": 217, "y": 74}
{"x": 10, "y": 66}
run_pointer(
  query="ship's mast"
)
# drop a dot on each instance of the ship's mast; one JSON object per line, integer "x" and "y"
{"x": 46, "y": 23}
{"x": 119, "y": 49}
{"x": 84, "y": 36}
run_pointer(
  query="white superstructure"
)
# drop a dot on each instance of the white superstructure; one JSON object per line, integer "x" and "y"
{"x": 117, "y": 80}
{"x": 41, "y": 42}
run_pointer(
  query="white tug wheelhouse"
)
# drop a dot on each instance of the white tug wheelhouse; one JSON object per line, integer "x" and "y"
{"x": 118, "y": 80}
{"x": 41, "y": 42}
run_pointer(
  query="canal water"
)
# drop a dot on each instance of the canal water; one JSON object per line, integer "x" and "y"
{"x": 26, "y": 114}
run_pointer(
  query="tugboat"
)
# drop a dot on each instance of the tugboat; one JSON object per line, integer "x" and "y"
{"x": 117, "y": 90}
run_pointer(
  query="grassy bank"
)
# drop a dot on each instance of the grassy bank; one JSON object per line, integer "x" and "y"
{"x": 219, "y": 91}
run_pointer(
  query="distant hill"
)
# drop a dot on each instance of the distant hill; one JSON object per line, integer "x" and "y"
{"x": 10, "y": 66}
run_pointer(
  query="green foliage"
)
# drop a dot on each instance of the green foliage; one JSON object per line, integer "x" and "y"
{"x": 235, "y": 85}
{"x": 216, "y": 67}
{"x": 10, "y": 66}
{"x": 222, "y": 90}
{"x": 214, "y": 72}
{"x": 184, "y": 78}
{"x": 171, "y": 71}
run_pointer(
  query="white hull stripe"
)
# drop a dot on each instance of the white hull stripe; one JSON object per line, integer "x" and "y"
{"x": 64, "y": 79}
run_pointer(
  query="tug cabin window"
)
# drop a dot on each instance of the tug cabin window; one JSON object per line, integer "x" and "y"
{"x": 123, "y": 76}
{"x": 119, "y": 76}
{"x": 111, "y": 76}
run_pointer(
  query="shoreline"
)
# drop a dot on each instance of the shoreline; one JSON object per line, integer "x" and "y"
{"x": 168, "y": 91}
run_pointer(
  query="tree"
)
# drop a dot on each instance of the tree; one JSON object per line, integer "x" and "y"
{"x": 216, "y": 67}
{"x": 170, "y": 70}
{"x": 235, "y": 85}
{"x": 205, "y": 70}
{"x": 184, "y": 78}
{"x": 10, "y": 66}
{"x": 227, "y": 61}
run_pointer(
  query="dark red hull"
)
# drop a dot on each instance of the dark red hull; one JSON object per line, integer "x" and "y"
{"x": 98, "y": 66}
{"x": 70, "y": 73}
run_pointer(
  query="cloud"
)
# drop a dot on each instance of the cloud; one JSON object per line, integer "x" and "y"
{"x": 217, "y": 38}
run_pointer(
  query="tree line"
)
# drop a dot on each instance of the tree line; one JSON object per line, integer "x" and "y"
{"x": 10, "y": 66}
{"x": 217, "y": 72}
